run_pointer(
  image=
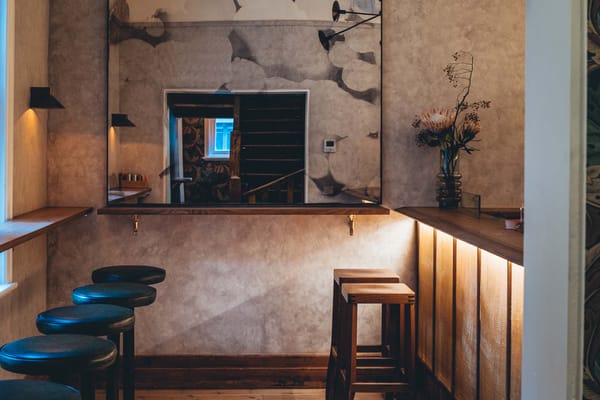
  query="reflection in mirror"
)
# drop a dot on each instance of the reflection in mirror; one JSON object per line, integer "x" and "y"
{"x": 237, "y": 102}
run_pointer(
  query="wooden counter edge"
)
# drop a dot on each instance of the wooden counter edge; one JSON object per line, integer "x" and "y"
{"x": 46, "y": 219}
{"x": 485, "y": 232}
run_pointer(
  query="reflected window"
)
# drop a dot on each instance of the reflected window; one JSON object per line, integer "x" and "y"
{"x": 217, "y": 137}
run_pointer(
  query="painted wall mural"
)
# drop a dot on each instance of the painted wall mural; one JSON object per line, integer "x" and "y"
{"x": 592, "y": 295}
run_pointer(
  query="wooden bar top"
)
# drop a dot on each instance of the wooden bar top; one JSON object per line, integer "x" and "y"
{"x": 485, "y": 232}
{"x": 27, "y": 226}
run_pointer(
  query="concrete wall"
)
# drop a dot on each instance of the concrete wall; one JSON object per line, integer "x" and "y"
{"x": 262, "y": 284}
{"x": 19, "y": 307}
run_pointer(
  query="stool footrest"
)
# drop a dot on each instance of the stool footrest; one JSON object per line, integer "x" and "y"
{"x": 387, "y": 387}
{"x": 375, "y": 361}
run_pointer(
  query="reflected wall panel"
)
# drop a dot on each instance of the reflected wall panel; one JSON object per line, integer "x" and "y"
{"x": 426, "y": 294}
{"x": 444, "y": 308}
{"x": 494, "y": 317}
{"x": 466, "y": 321}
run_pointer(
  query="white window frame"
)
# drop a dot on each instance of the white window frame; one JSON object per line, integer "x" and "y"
{"x": 6, "y": 129}
{"x": 210, "y": 152}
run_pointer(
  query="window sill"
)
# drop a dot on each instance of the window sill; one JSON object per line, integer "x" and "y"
{"x": 213, "y": 158}
{"x": 6, "y": 288}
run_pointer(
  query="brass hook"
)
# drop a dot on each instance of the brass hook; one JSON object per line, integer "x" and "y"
{"x": 351, "y": 221}
{"x": 136, "y": 224}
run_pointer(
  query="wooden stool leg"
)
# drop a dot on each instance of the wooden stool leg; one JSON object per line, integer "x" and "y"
{"x": 128, "y": 365}
{"x": 332, "y": 365}
{"x": 410, "y": 349}
{"x": 112, "y": 373}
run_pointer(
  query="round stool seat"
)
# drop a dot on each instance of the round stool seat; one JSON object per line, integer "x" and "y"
{"x": 129, "y": 273}
{"x": 23, "y": 389}
{"x": 49, "y": 355}
{"x": 86, "y": 319}
{"x": 118, "y": 293}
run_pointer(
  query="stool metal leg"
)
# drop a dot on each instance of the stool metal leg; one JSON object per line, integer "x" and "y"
{"x": 112, "y": 373}
{"x": 128, "y": 365}
{"x": 87, "y": 386}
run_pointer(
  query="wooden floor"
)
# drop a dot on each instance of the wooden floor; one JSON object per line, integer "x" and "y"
{"x": 258, "y": 394}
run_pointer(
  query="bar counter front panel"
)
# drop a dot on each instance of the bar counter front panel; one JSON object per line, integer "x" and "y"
{"x": 470, "y": 305}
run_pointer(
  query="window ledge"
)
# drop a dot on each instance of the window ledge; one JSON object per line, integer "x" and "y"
{"x": 27, "y": 226}
{"x": 6, "y": 288}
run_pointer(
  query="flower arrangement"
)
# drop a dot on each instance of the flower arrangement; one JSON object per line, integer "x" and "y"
{"x": 453, "y": 129}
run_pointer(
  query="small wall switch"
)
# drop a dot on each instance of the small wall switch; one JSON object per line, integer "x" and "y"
{"x": 329, "y": 146}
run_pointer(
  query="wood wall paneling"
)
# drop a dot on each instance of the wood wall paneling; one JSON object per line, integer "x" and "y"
{"x": 517, "y": 287}
{"x": 425, "y": 295}
{"x": 493, "y": 319}
{"x": 466, "y": 321}
{"x": 444, "y": 307}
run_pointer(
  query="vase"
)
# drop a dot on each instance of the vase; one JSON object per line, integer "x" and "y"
{"x": 449, "y": 192}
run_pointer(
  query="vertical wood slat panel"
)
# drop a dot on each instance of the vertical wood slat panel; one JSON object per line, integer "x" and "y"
{"x": 444, "y": 284}
{"x": 518, "y": 277}
{"x": 425, "y": 294}
{"x": 493, "y": 345}
{"x": 466, "y": 322}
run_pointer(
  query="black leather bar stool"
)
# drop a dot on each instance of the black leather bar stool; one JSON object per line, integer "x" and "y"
{"x": 123, "y": 294}
{"x": 129, "y": 273}
{"x": 95, "y": 320}
{"x": 59, "y": 355}
{"x": 24, "y": 389}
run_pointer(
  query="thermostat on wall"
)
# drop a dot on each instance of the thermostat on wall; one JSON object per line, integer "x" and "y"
{"x": 329, "y": 146}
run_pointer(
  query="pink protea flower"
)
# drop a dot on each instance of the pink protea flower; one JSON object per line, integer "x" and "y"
{"x": 437, "y": 120}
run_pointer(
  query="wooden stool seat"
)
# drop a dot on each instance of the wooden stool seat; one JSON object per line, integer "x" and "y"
{"x": 58, "y": 355}
{"x": 145, "y": 274}
{"x": 364, "y": 275}
{"x": 24, "y": 389}
{"x": 382, "y": 293}
{"x": 396, "y": 375}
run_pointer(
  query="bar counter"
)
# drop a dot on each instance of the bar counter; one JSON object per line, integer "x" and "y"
{"x": 485, "y": 232}
{"x": 470, "y": 304}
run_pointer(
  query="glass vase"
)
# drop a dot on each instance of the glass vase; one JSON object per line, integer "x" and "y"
{"x": 449, "y": 192}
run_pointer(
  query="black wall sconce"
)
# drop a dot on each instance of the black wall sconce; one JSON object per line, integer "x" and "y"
{"x": 121, "y": 120}
{"x": 40, "y": 97}
{"x": 336, "y": 11}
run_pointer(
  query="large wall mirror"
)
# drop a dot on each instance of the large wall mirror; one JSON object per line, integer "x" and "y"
{"x": 244, "y": 102}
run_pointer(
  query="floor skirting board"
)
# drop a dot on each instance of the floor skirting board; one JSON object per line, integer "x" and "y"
{"x": 231, "y": 372}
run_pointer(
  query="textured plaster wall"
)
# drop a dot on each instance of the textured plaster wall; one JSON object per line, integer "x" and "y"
{"x": 246, "y": 284}
{"x": 262, "y": 284}
{"x": 419, "y": 38}
{"x": 18, "y": 308}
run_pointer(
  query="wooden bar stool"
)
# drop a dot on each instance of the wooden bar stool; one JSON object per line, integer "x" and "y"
{"x": 94, "y": 320}
{"x": 340, "y": 278}
{"x": 145, "y": 274}
{"x": 123, "y": 294}
{"x": 59, "y": 355}
{"x": 398, "y": 379}
{"x": 24, "y": 389}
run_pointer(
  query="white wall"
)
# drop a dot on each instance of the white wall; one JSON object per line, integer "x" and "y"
{"x": 554, "y": 199}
